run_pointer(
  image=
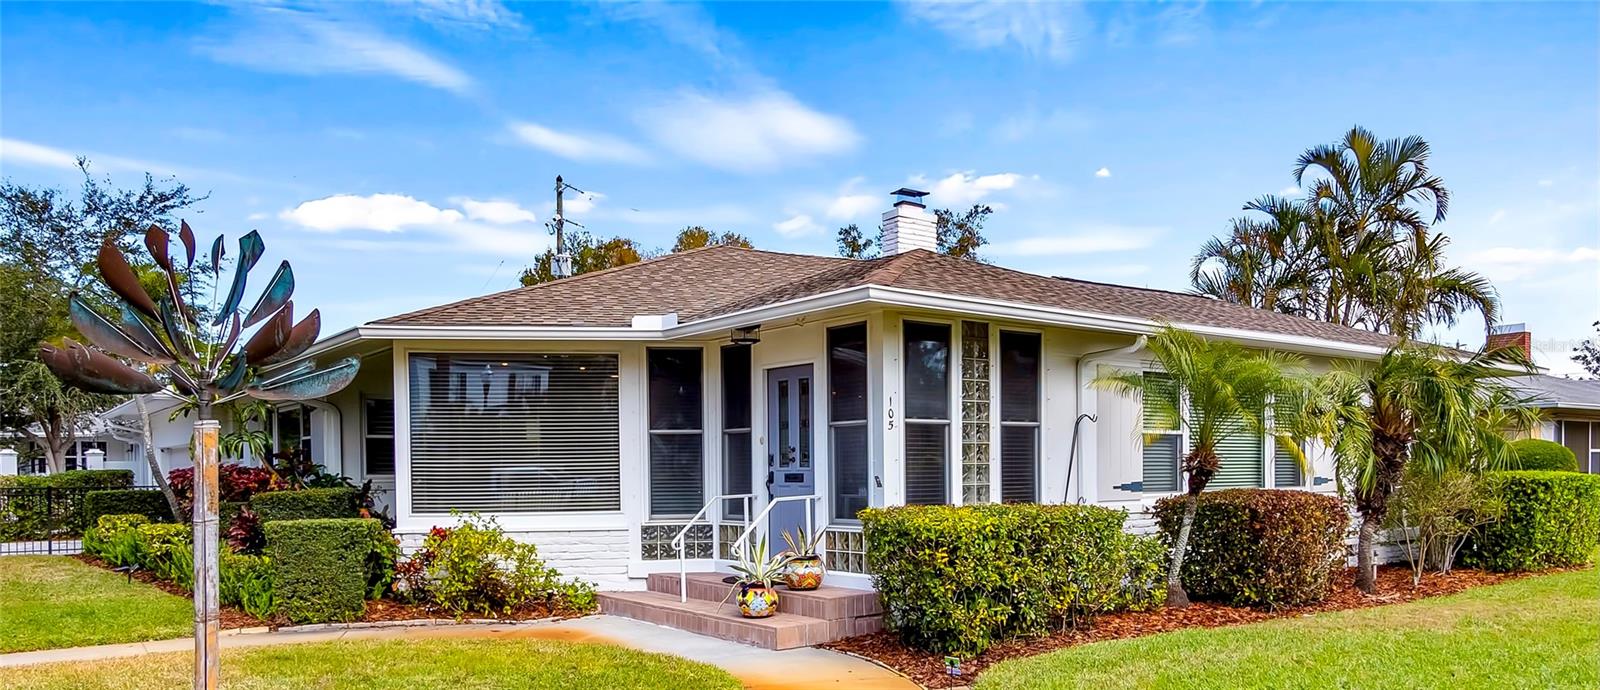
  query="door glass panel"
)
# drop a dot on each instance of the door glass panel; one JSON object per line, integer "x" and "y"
{"x": 805, "y": 421}
{"x": 785, "y": 451}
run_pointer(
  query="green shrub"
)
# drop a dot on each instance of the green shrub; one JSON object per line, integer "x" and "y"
{"x": 168, "y": 551}
{"x": 248, "y": 583}
{"x": 320, "y": 567}
{"x": 40, "y": 514}
{"x": 957, "y": 579}
{"x": 1538, "y": 454}
{"x": 305, "y": 504}
{"x": 146, "y": 502}
{"x": 1259, "y": 547}
{"x": 1550, "y": 520}
{"x": 476, "y": 568}
{"x": 115, "y": 539}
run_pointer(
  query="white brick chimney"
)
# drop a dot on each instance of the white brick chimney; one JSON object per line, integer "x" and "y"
{"x": 908, "y": 225}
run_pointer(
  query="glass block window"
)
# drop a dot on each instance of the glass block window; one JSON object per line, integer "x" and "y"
{"x": 726, "y": 536}
{"x": 846, "y": 551}
{"x": 655, "y": 541}
{"x": 974, "y": 412}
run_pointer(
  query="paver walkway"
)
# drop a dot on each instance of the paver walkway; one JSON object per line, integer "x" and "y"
{"x": 765, "y": 669}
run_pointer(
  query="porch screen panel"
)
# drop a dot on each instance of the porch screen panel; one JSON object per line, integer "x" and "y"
{"x": 847, "y": 419}
{"x": 677, "y": 415}
{"x": 927, "y": 431}
{"x": 514, "y": 433}
{"x": 1019, "y": 416}
{"x": 735, "y": 426}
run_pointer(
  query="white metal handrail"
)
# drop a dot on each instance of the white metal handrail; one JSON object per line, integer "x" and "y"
{"x": 680, "y": 542}
{"x": 742, "y": 543}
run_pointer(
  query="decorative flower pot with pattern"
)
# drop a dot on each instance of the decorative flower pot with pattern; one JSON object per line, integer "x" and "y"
{"x": 804, "y": 573}
{"x": 756, "y": 601}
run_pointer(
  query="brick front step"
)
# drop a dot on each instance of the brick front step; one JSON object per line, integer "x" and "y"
{"x": 783, "y": 631}
{"x": 827, "y": 603}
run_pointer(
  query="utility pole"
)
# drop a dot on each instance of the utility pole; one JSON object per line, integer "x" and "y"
{"x": 561, "y": 265}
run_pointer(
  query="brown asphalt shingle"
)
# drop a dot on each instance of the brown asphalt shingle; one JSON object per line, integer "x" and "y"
{"x": 721, "y": 280}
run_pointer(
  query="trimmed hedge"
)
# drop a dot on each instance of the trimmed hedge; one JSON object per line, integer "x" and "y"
{"x": 1539, "y": 454}
{"x": 306, "y": 504}
{"x": 957, "y": 579}
{"x": 320, "y": 567}
{"x": 1551, "y": 520}
{"x": 1259, "y": 547}
{"x": 149, "y": 503}
{"x": 73, "y": 479}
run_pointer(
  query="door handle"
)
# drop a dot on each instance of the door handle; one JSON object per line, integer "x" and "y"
{"x": 769, "y": 479}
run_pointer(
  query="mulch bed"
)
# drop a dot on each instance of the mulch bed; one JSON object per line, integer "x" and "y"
{"x": 1394, "y": 586}
{"x": 378, "y": 610}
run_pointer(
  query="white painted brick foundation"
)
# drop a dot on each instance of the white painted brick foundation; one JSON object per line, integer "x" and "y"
{"x": 598, "y": 556}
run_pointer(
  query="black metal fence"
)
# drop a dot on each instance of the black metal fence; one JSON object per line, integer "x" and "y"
{"x": 43, "y": 520}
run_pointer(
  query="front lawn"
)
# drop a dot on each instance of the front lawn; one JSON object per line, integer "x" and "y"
{"x": 1536, "y": 632}
{"x": 48, "y": 602}
{"x": 459, "y": 664}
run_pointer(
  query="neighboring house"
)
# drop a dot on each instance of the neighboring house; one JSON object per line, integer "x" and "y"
{"x": 596, "y": 415}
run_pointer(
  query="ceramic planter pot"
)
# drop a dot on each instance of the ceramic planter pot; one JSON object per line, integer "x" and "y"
{"x": 804, "y": 573}
{"x": 756, "y": 601}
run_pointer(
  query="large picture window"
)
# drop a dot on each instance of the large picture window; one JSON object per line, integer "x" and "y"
{"x": 735, "y": 426}
{"x": 1019, "y": 417}
{"x": 927, "y": 413}
{"x": 847, "y": 419}
{"x": 514, "y": 433}
{"x": 677, "y": 429}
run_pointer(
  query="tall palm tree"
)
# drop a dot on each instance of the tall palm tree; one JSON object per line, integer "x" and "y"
{"x": 1421, "y": 407}
{"x": 1271, "y": 263}
{"x": 1214, "y": 389}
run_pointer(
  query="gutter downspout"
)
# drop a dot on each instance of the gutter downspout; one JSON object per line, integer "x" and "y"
{"x": 1084, "y": 390}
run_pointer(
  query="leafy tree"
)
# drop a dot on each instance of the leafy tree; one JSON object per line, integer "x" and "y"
{"x": 852, "y": 245}
{"x": 588, "y": 254}
{"x": 1214, "y": 389}
{"x": 1587, "y": 353}
{"x": 1419, "y": 408}
{"x": 47, "y": 246}
{"x": 961, "y": 234}
{"x": 1358, "y": 250}
{"x": 695, "y": 237}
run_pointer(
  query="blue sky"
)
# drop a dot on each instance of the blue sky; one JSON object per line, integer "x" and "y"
{"x": 401, "y": 154}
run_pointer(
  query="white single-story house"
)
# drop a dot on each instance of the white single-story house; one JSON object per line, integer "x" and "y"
{"x": 600, "y": 415}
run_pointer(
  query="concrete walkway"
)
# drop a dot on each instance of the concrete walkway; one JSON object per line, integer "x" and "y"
{"x": 757, "y": 668}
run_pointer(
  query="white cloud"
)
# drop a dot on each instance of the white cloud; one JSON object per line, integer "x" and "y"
{"x": 1498, "y": 215}
{"x": 25, "y": 153}
{"x": 1094, "y": 240}
{"x": 1547, "y": 183}
{"x": 578, "y": 146}
{"x": 746, "y": 133}
{"x": 1027, "y": 123}
{"x": 381, "y": 212}
{"x": 257, "y": 216}
{"x": 797, "y": 226}
{"x": 1103, "y": 172}
{"x": 848, "y": 206}
{"x": 295, "y": 41}
{"x": 1041, "y": 28}
{"x": 962, "y": 188}
{"x": 495, "y": 211}
{"x": 1511, "y": 264}
{"x": 1289, "y": 191}
{"x": 469, "y": 14}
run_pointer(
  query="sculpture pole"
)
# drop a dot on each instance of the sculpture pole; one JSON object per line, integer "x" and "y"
{"x": 207, "y": 619}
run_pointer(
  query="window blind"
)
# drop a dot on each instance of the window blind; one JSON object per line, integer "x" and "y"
{"x": 1019, "y": 416}
{"x": 1163, "y": 435}
{"x": 677, "y": 467}
{"x": 1285, "y": 469}
{"x": 1240, "y": 462}
{"x": 735, "y": 426}
{"x": 927, "y": 416}
{"x": 514, "y": 433}
{"x": 378, "y": 436}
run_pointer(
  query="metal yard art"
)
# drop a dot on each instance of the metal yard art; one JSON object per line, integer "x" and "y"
{"x": 203, "y": 361}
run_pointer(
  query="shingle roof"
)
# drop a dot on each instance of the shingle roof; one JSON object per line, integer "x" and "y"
{"x": 1556, "y": 392}
{"x": 721, "y": 280}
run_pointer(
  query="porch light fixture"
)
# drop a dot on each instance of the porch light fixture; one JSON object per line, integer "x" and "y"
{"x": 748, "y": 335}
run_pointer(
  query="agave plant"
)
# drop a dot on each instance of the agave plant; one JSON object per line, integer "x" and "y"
{"x": 201, "y": 358}
{"x": 802, "y": 544}
{"x": 760, "y": 567}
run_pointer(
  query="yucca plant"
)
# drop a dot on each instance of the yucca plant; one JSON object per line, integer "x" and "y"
{"x": 802, "y": 544}
{"x": 759, "y": 568}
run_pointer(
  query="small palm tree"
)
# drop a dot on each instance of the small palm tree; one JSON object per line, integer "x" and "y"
{"x": 1214, "y": 389}
{"x": 1420, "y": 407}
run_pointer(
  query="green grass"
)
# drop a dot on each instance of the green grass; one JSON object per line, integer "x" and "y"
{"x": 1541, "y": 632}
{"x": 457, "y": 664}
{"x": 48, "y": 602}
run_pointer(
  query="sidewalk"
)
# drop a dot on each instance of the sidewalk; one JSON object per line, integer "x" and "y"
{"x": 758, "y": 668}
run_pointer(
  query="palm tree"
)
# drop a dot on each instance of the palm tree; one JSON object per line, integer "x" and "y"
{"x": 1420, "y": 407}
{"x": 1214, "y": 390}
{"x": 1271, "y": 263}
